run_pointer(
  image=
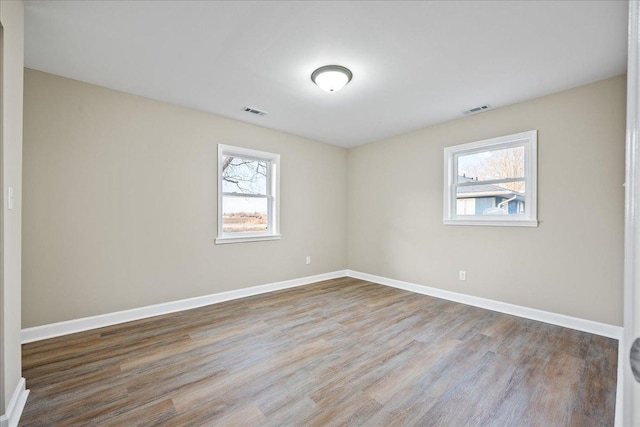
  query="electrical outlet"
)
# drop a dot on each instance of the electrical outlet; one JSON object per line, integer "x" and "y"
{"x": 308, "y": 260}
{"x": 462, "y": 275}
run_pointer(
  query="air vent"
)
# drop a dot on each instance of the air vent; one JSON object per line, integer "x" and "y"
{"x": 476, "y": 109}
{"x": 254, "y": 111}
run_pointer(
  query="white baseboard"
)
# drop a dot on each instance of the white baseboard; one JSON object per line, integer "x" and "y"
{"x": 590, "y": 326}
{"x": 86, "y": 323}
{"x": 16, "y": 405}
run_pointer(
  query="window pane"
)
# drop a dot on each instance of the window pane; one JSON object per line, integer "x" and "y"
{"x": 244, "y": 176}
{"x": 244, "y": 214}
{"x": 491, "y": 199}
{"x": 492, "y": 164}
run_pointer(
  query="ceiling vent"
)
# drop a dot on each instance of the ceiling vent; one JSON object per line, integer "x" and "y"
{"x": 254, "y": 111}
{"x": 476, "y": 109}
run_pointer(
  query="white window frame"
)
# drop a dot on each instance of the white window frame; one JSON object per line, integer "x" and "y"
{"x": 273, "y": 195}
{"x": 528, "y": 140}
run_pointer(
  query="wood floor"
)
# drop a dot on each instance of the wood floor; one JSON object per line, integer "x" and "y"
{"x": 341, "y": 352}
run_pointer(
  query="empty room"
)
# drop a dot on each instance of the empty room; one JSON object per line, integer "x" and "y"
{"x": 320, "y": 213}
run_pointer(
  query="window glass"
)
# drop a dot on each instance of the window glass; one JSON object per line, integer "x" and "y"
{"x": 244, "y": 175}
{"x": 243, "y": 214}
{"x": 492, "y": 164}
{"x": 491, "y": 199}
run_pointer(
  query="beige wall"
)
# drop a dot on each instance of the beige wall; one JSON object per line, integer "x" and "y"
{"x": 11, "y": 17}
{"x": 120, "y": 203}
{"x": 571, "y": 264}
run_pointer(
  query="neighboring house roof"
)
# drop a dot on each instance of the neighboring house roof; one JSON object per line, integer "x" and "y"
{"x": 485, "y": 190}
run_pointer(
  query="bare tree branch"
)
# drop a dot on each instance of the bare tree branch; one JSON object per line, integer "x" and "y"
{"x": 248, "y": 176}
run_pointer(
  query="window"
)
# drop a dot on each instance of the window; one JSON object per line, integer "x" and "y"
{"x": 492, "y": 182}
{"x": 248, "y": 195}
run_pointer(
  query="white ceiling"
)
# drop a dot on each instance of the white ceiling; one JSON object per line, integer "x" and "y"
{"x": 414, "y": 63}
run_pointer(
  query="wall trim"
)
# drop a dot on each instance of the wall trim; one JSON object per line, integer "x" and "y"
{"x": 16, "y": 405}
{"x": 52, "y": 330}
{"x": 584, "y": 325}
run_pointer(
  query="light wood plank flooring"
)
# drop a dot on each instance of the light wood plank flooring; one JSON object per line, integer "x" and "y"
{"x": 341, "y": 352}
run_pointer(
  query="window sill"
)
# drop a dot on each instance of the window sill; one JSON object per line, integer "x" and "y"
{"x": 493, "y": 223}
{"x": 226, "y": 240}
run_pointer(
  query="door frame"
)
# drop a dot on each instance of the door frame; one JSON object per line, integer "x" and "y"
{"x": 631, "y": 388}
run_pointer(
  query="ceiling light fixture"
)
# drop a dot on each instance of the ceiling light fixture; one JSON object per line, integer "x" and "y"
{"x": 331, "y": 78}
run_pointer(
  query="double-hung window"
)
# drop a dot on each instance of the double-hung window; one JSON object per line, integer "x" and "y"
{"x": 248, "y": 195}
{"x": 492, "y": 182}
